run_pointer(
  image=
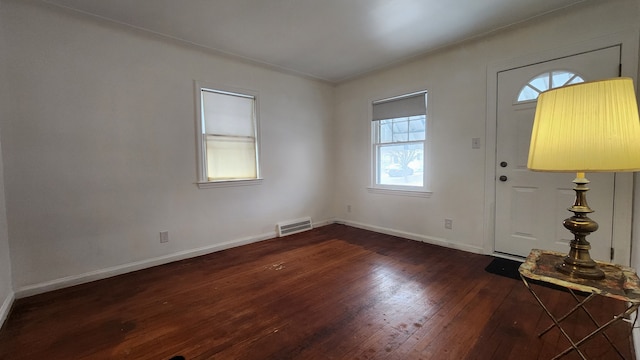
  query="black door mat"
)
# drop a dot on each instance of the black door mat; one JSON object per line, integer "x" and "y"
{"x": 504, "y": 267}
{"x": 509, "y": 268}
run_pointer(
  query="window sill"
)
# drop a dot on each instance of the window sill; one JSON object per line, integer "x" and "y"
{"x": 229, "y": 183}
{"x": 413, "y": 193}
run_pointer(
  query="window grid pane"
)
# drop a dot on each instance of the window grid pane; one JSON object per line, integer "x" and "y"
{"x": 546, "y": 81}
{"x": 401, "y": 164}
{"x": 401, "y": 129}
{"x": 399, "y": 151}
{"x": 541, "y": 82}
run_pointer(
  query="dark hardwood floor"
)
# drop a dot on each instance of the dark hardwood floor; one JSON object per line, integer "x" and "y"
{"x": 335, "y": 292}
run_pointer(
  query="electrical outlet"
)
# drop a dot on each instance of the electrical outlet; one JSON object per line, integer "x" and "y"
{"x": 475, "y": 143}
{"x": 448, "y": 224}
{"x": 348, "y": 208}
{"x": 164, "y": 236}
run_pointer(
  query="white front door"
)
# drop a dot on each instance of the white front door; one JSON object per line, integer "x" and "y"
{"x": 530, "y": 206}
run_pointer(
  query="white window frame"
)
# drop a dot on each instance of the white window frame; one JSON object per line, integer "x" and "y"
{"x": 404, "y": 190}
{"x": 203, "y": 181}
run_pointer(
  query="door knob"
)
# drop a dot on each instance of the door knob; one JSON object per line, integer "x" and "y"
{"x": 503, "y": 178}
{"x": 503, "y": 164}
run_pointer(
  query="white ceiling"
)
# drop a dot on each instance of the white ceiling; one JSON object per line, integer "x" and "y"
{"x": 331, "y": 40}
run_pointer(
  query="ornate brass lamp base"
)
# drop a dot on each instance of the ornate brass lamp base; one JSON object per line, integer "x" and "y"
{"x": 578, "y": 262}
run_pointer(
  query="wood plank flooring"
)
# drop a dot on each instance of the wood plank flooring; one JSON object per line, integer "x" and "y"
{"x": 334, "y": 292}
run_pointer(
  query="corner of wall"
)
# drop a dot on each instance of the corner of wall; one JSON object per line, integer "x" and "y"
{"x": 5, "y": 309}
{"x": 7, "y": 294}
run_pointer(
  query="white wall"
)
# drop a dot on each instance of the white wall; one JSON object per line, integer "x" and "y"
{"x": 456, "y": 78}
{"x": 6, "y": 287}
{"x": 99, "y": 149}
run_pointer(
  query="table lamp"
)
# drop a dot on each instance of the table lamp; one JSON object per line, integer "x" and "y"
{"x": 587, "y": 127}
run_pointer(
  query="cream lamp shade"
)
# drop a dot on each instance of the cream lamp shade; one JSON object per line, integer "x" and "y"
{"x": 587, "y": 127}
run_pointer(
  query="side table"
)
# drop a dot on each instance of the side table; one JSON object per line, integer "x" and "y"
{"x": 620, "y": 283}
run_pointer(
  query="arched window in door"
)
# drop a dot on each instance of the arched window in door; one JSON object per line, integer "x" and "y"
{"x": 545, "y": 81}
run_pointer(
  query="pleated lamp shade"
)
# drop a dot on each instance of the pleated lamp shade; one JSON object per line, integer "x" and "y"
{"x": 587, "y": 127}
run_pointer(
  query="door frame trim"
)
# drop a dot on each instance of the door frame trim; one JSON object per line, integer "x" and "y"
{"x": 623, "y": 192}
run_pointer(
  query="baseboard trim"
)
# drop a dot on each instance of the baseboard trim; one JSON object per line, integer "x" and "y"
{"x": 413, "y": 236}
{"x": 5, "y": 309}
{"x": 72, "y": 280}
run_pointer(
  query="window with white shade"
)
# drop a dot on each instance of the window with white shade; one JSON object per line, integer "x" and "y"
{"x": 399, "y": 143}
{"x": 228, "y": 137}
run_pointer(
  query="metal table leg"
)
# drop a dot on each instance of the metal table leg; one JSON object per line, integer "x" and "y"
{"x": 630, "y": 310}
{"x": 599, "y": 328}
{"x": 578, "y": 306}
{"x": 574, "y": 346}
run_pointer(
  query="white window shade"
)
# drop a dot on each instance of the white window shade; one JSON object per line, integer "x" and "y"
{"x": 406, "y": 106}
{"x": 228, "y": 114}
